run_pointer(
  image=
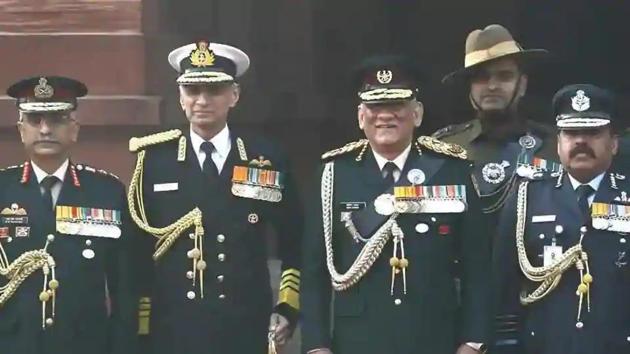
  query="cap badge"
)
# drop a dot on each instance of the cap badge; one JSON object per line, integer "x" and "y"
{"x": 384, "y": 76}
{"x": 580, "y": 102}
{"x": 43, "y": 89}
{"x": 202, "y": 56}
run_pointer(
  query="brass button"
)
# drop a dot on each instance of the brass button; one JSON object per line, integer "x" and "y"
{"x": 221, "y": 257}
{"x": 222, "y": 296}
{"x": 220, "y": 278}
{"x": 220, "y": 238}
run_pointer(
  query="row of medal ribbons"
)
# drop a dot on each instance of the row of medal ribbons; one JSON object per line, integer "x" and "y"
{"x": 611, "y": 217}
{"x": 95, "y": 222}
{"x": 257, "y": 176}
{"x": 432, "y": 192}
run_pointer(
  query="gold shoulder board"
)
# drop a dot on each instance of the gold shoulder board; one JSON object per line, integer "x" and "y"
{"x": 345, "y": 149}
{"x": 136, "y": 144}
{"x": 441, "y": 147}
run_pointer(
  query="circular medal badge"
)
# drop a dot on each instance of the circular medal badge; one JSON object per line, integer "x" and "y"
{"x": 527, "y": 142}
{"x": 416, "y": 176}
{"x": 384, "y": 204}
{"x": 493, "y": 173}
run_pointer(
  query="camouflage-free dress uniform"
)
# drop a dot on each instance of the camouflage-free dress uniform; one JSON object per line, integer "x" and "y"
{"x": 207, "y": 283}
{"x": 94, "y": 298}
{"x": 366, "y": 317}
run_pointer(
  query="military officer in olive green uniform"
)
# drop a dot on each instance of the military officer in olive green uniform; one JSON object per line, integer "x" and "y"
{"x": 501, "y": 142}
{"x": 205, "y": 197}
{"x": 392, "y": 212}
{"x": 66, "y": 263}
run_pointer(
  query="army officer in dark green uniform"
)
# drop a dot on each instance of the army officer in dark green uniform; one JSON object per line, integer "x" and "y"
{"x": 392, "y": 213}
{"x": 205, "y": 196}
{"x": 66, "y": 283}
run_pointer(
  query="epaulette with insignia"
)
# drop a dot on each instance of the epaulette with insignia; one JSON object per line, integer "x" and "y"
{"x": 11, "y": 167}
{"x": 451, "y": 129}
{"x": 84, "y": 167}
{"x": 345, "y": 149}
{"x": 442, "y": 147}
{"x": 136, "y": 144}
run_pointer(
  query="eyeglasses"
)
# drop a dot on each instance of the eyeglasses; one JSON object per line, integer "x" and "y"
{"x": 51, "y": 119}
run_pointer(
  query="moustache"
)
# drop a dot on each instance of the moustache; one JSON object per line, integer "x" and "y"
{"x": 582, "y": 149}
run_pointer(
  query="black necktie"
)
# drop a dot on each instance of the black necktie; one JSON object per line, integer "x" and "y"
{"x": 584, "y": 191}
{"x": 388, "y": 172}
{"x": 209, "y": 168}
{"x": 47, "y": 183}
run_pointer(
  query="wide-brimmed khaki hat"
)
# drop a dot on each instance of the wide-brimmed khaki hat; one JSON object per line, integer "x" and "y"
{"x": 492, "y": 43}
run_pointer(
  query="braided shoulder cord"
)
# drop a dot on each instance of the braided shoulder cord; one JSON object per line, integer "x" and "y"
{"x": 166, "y": 236}
{"x": 370, "y": 251}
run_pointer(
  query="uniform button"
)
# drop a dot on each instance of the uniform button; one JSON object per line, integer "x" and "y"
{"x": 222, "y": 296}
{"x": 88, "y": 242}
{"x": 628, "y": 339}
{"x": 559, "y": 229}
{"x": 221, "y": 257}
{"x": 191, "y": 295}
{"x": 422, "y": 228}
{"x": 533, "y": 334}
{"x": 190, "y": 274}
{"x": 433, "y": 219}
{"x": 220, "y": 238}
{"x": 541, "y": 236}
{"x": 191, "y": 236}
{"x": 579, "y": 325}
{"x": 397, "y": 302}
{"x": 220, "y": 278}
{"x": 622, "y": 240}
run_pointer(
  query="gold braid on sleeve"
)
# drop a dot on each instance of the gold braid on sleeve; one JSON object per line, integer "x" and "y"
{"x": 166, "y": 236}
{"x": 549, "y": 276}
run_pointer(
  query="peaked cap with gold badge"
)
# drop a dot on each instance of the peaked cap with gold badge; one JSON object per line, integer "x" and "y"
{"x": 47, "y": 94}
{"x": 205, "y": 63}
{"x": 386, "y": 78}
{"x": 492, "y": 43}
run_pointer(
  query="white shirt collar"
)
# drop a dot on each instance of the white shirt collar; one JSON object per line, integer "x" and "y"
{"x": 594, "y": 183}
{"x": 399, "y": 161}
{"x": 221, "y": 142}
{"x": 60, "y": 173}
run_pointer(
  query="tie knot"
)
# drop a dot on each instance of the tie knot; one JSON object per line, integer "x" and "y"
{"x": 389, "y": 167}
{"x": 49, "y": 181}
{"x": 584, "y": 191}
{"x": 207, "y": 147}
{"x": 388, "y": 170}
